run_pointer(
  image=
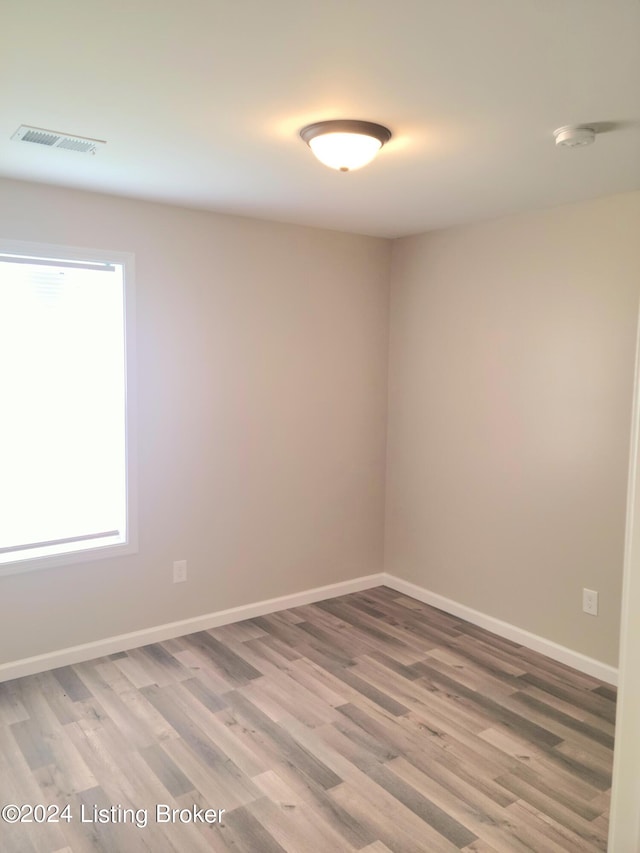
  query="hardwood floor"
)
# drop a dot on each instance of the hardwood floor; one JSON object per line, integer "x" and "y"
{"x": 369, "y": 722}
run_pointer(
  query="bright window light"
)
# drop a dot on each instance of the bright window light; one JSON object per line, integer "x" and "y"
{"x": 63, "y": 428}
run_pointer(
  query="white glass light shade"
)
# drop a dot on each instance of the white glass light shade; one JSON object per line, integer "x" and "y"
{"x": 345, "y": 151}
{"x": 345, "y": 144}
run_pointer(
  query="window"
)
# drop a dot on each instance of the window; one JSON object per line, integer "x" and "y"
{"x": 66, "y": 479}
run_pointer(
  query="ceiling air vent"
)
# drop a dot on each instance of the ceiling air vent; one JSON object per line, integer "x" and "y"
{"x": 53, "y": 139}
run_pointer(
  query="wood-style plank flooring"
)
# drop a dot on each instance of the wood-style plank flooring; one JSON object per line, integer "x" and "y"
{"x": 369, "y": 722}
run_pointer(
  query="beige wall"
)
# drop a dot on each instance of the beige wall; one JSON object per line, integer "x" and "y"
{"x": 510, "y": 384}
{"x": 262, "y": 405}
{"x": 262, "y": 353}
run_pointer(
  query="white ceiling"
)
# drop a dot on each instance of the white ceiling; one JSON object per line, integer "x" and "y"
{"x": 201, "y": 101}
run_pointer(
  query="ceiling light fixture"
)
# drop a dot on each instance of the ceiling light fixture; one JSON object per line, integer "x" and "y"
{"x": 345, "y": 144}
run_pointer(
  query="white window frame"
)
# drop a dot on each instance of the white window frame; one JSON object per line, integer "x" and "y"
{"x": 130, "y": 545}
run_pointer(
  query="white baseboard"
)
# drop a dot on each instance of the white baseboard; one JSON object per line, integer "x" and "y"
{"x": 134, "y": 639}
{"x": 555, "y": 651}
{"x": 124, "y": 642}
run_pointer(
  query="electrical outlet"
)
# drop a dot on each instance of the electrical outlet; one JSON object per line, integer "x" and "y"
{"x": 590, "y": 601}
{"x": 179, "y": 571}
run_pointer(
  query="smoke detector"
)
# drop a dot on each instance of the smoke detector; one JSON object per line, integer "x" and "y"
{"x": 54, "y": 139}
{"x": 574, "y": 137}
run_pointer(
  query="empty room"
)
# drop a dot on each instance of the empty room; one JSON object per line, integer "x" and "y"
{"x": 319, "y": 426}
